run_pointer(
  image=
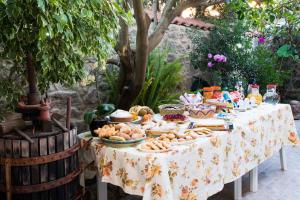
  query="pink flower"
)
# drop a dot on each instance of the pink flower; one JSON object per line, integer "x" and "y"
{"x": 220, "y": 58}
{"x": 217, "y": 57}
{"x": 209, "y": 55}
{"x": 210, "y": 64}
{"x": 261, "y": 40}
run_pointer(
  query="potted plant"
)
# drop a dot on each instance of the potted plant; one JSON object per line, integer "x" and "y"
{"x": 99, "y": 117}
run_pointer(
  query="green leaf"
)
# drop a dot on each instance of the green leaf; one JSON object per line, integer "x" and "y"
{"x": 88, "y": 117}
{"x": 41, "y": 5}
{"x": 285, "y": 51}
{"x": 105, "y": 109}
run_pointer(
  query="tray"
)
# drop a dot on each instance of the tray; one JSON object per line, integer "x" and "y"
{"x": 122, "y": 144}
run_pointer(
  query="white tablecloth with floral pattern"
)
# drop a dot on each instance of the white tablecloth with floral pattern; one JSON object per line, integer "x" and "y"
{"x": 199, "y": 170}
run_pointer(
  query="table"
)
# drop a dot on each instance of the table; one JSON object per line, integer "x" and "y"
{"x": 198, "y": 170}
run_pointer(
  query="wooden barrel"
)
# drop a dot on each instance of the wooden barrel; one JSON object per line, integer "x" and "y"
{"x": 46, "y": 169}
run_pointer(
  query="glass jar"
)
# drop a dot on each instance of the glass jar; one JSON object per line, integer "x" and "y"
{"x": 254, "y": 93}
{"x": 271, "y": 96}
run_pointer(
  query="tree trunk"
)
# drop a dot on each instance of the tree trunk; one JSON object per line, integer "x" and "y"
{"x": 126, "y": 79}
{"x": 33, "y": 93}
{"x": 133, "y": 63}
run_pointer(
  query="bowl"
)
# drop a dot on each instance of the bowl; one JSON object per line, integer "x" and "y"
{"x": 171, "y": 109}
{"x": 202, "y": 111}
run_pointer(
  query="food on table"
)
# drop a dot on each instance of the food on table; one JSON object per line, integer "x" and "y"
{"x": 200, "y": 131}
{"x": 175, "y": 117}
{"x": 186, "y": 136}
{"x": 153, "y": 129}
{"x": 120, "y": 132}
{"x": 217, "y": 94}
{"x": 155, "y": 145}
{"x": 121, "y": 116}
{"x": 208, "y": 93}
{"x": 146, "y": 118}
{"x": 171, "y": 109}
{"x": 141, "y": 110}
{"x": 191, "y": 99}
{"x": 254, "y": 92}
{"x": 202, "y": 111}
{"x": 135, "y": 116}
{"x": 210, "y": 124}
{"x": 235, "y": 96}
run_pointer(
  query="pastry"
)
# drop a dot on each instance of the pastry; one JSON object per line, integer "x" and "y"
{"x": 106, "y": 131}
{"x": 141, "y": 110}
{"x": 125, "y": 136}
{"x": 137, "y": 136}
{"x": 120, "y": 132}
{"x": 155, "y": 145}
{"x": 117, "y": 138}
{"x": 121, "y": 116}
{"x": 146, "y": 118}
{"x": 175, "y": 137}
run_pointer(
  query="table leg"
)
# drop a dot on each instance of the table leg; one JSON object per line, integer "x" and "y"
{"x": 283, "y": 159}
{"x": 238, "y": 189}
{"x": 254, "y": 180}
{"x": 101, "y": 189}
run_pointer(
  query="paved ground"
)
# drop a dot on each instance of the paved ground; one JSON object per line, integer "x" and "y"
{"x": 273, "y": 184}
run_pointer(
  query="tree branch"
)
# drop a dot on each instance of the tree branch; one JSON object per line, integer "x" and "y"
{"x": 172, "y": 9}
{"x": 123, "y": 40}
{"x": 113, "y": 62}
{"x": 154, "y": 9}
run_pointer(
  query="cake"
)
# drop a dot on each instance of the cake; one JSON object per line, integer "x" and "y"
{"x": 121, "y": 116}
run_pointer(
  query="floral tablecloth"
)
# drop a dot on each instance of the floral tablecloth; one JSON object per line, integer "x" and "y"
{"x": 199, "y": 170}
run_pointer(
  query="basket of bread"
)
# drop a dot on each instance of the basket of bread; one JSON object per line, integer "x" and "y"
{"x": 120, "y": 135}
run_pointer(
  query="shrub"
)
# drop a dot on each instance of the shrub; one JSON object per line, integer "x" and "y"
{"x": 163, "y": 79}
{"x": 243, "y": 63}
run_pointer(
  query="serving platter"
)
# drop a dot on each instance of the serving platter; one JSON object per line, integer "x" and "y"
{"x": 122, "y": 144}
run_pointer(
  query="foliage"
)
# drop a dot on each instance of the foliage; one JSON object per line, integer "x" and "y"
{"x": 101, "y": 111}
{"x": 59, "y": 34}
{"x": 227, "y": 39}
{"x": 244, "y": 63}
{"x": 162, "y": 83}
{"x": 276, "y": 18}
{"x": 111, "y": 75}
{"x": 265, "y": 68}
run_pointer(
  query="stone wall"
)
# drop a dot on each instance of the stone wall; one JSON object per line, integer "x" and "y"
{"x": 177, "y": 41}
{"x": 84, "y": 97}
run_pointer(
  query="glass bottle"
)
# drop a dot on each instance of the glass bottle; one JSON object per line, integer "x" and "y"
{"x": 271, "y": 96}
{"x": 240, "y": 89}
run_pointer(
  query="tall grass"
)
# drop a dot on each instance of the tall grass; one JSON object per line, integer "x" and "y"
{"x": 162, "y": 83}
